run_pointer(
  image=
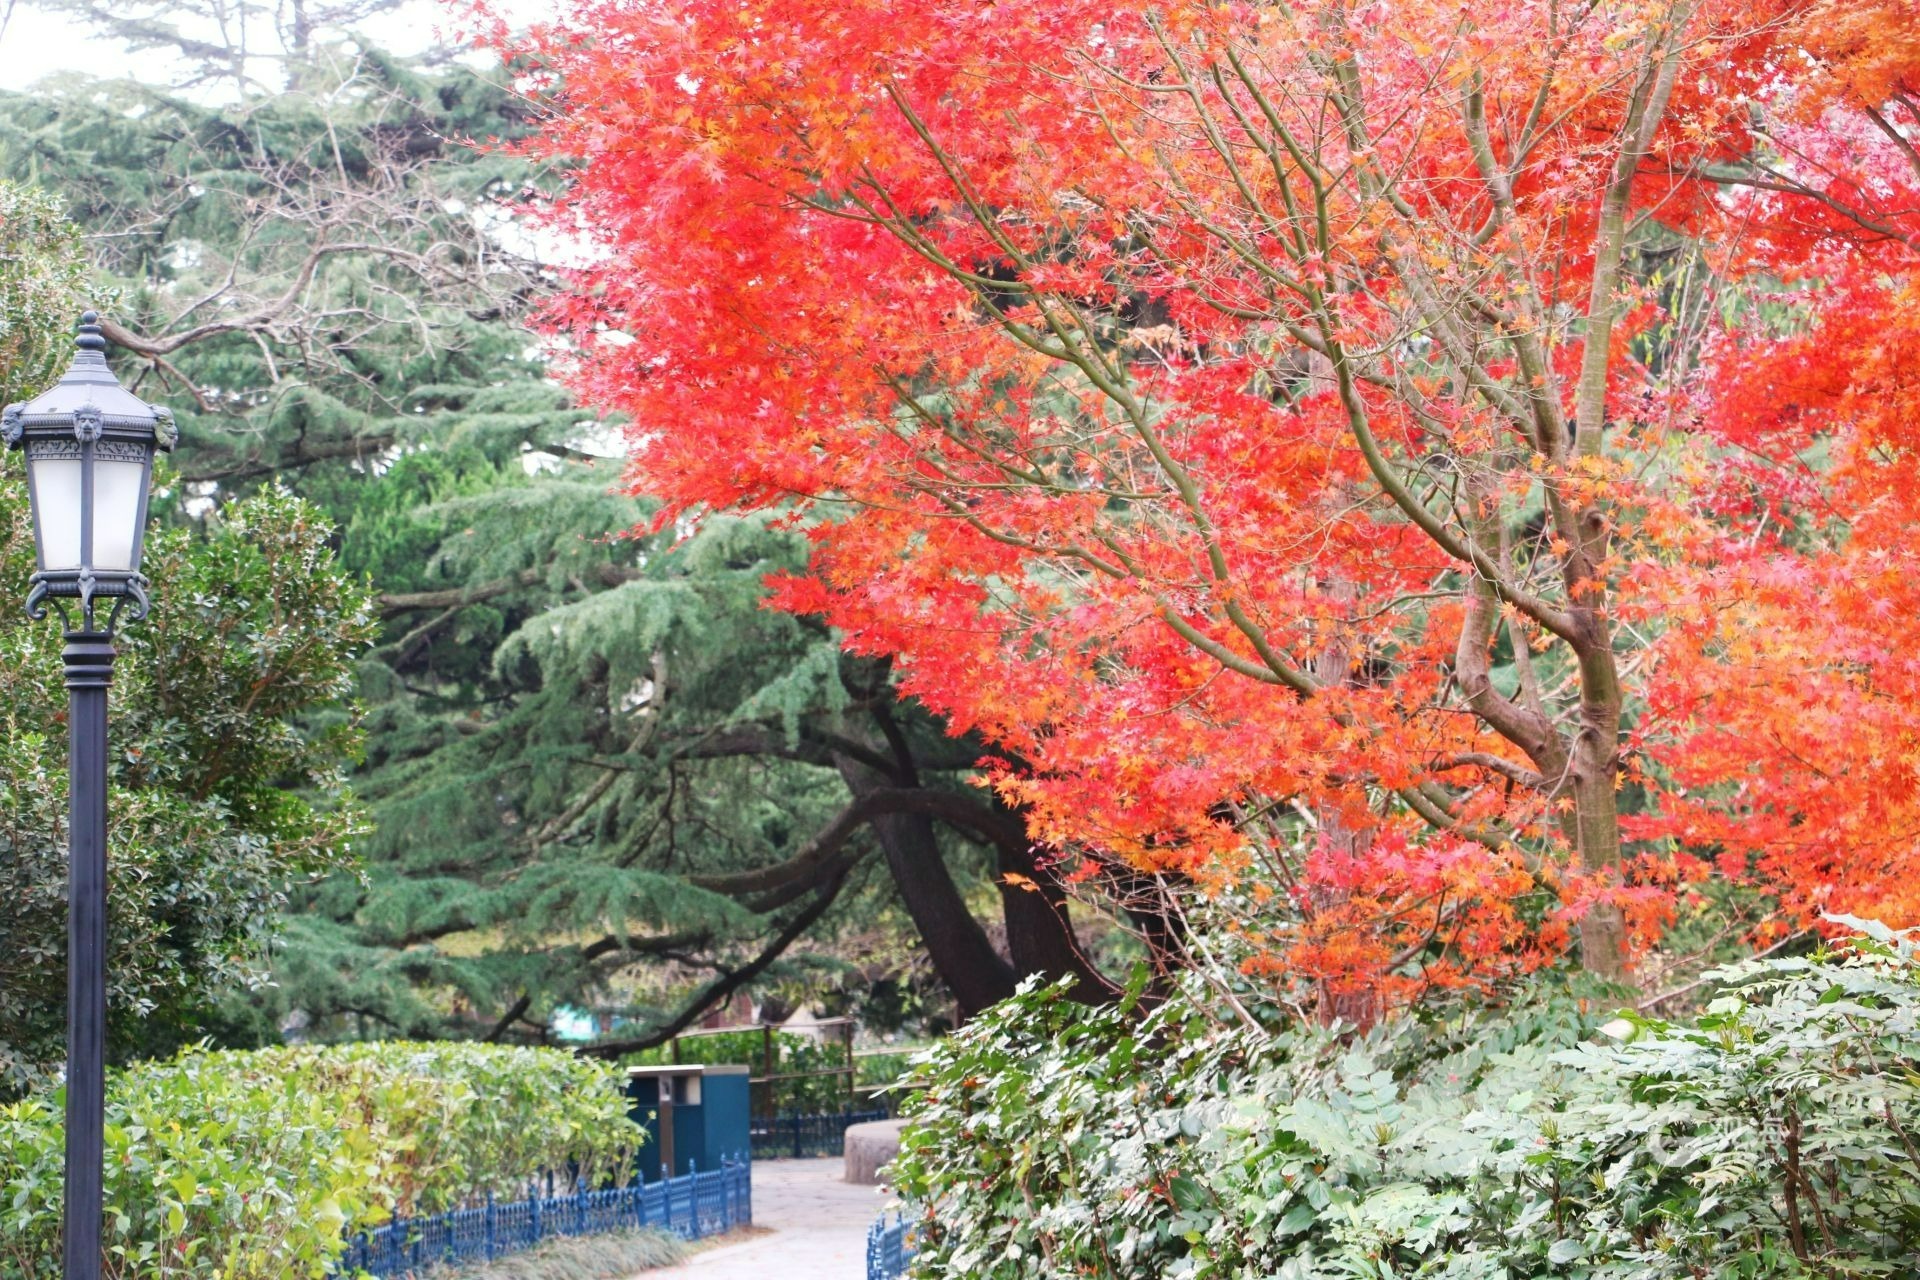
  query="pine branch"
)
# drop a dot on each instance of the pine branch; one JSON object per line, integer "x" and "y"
{"x": 394, "y": 603}
{"x": 723, "y": 987}
{"x": 511, "y": 1016}
{"x": 645, "y": 946}
{"x": 812, "y": 747}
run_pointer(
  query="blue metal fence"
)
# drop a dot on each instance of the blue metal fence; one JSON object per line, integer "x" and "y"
{"x": 699, "y": 1204}
{"x": 797, "y": 1136}
{"x": 889, "y": 1249}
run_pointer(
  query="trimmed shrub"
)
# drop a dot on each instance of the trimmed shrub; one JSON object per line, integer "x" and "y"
{"x": 244, "y": 1165}
{"x": 1777, "y": 1135}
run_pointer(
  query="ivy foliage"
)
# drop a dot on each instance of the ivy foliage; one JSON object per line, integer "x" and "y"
{"x": 1776, "y": 1135}
{"x": 259, "y": 1165}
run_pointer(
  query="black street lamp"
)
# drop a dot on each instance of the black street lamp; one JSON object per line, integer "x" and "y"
{"x": 89, "y": 444}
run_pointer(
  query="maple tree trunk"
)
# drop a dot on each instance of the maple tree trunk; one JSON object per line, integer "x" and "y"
{"x": 1596, "y": 749}
{"x": 1354, "y": 1005}
{"x": 1351, "y": 1004}
{"x": 1593, "y": 781}
{"x": 1040, "y": 933}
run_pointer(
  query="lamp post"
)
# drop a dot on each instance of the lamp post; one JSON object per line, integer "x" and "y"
{"x": 89, "y": 445}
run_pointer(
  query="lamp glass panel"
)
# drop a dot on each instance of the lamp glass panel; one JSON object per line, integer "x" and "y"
{"x": 118, "y": 485}
{"x": 56, "y": 509}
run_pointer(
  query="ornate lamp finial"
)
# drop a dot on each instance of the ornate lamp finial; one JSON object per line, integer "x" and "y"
{"x": 91, "y": 337}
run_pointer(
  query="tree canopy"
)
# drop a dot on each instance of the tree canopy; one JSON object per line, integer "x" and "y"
{"x": 1394, "y": 447}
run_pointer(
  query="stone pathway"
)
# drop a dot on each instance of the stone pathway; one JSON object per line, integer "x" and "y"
{"x": 813, "y": 1227}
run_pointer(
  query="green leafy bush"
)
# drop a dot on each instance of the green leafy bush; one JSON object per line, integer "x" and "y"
{"x": 1777, "y": 1135}
{"x": 253, "y": 1165}
{"x": 880, "y": 1076}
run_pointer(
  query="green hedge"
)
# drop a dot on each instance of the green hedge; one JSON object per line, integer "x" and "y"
{"x": 1778, "y": 1135}
{"x": 251, "y": 1166}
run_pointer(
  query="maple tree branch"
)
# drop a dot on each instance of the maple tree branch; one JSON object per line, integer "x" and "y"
{"x": 1463, "y": 549}
{"x": 1647, "y": 106}
{"x": 1526, "y": 727}
{"x": 1302, "y": 683}
{"x": 1110, "y": 382}
{"x": 1210, "y": 127}
{"x": 983, "y": 215}
{"x": 1899, "y": 139}
{"x": 1539, "y": 383}
{"x": 1778, "y": 182}
{"x": 1483, "y": 760}
{"x": 1348, "y": 96}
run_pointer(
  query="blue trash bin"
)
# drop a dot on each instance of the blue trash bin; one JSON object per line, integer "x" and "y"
{"x": 695, "y": 1115}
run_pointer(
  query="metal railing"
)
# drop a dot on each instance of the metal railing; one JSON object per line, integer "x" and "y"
{"x": 889, "y": 1249}
{"x": 698, "y": 1204}
{"x": 797, "y": 1136}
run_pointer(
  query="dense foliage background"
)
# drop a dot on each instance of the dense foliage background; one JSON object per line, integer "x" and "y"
{"x": 232, "y": 728}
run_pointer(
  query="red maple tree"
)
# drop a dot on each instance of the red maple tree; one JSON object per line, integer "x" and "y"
{"x": 1454, "y": 455}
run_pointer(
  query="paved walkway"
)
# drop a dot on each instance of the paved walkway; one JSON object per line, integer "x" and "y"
{"x": 814, "y": 1228}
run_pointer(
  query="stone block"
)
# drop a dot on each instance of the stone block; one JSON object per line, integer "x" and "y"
{"x": 870, "y": 1148}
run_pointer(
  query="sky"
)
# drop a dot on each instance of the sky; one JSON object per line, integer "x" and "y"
{"x": 37, "y": 43}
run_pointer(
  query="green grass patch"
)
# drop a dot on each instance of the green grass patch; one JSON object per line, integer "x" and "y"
{"x": 604, "y": 1257}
